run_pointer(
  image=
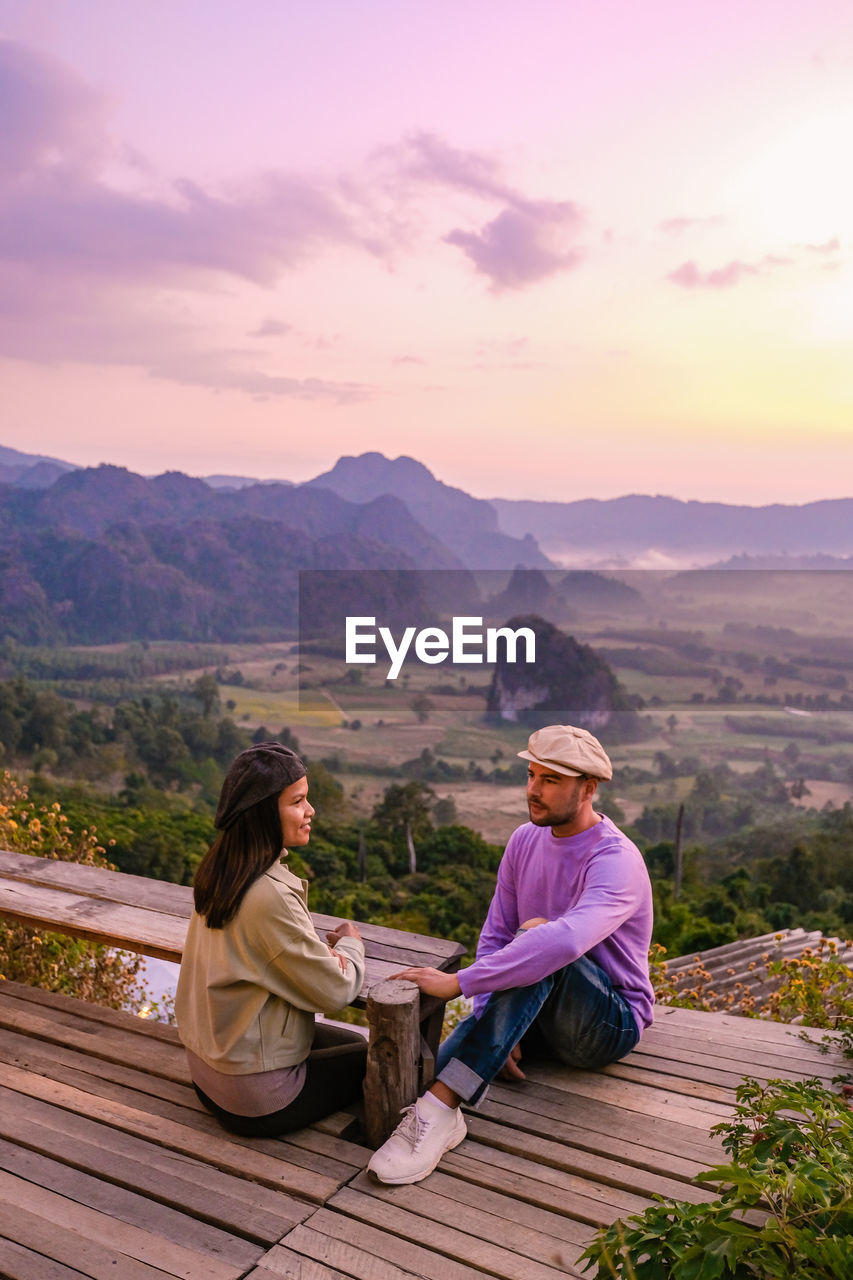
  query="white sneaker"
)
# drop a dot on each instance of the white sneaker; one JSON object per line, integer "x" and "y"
{"x": 418, "y": 1143}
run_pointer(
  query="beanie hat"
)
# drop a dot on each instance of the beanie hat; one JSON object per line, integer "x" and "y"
{"x": 260, "y": 771}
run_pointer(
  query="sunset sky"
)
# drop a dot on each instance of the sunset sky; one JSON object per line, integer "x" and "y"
{"x": 559, "y": 249}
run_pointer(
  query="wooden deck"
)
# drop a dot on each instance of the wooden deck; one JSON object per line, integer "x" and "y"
{"x": 109, "y": 1167}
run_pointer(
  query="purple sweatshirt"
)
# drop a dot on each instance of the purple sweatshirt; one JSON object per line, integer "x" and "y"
{"x": 594, "y": 891}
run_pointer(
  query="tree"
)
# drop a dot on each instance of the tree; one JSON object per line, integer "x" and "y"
{"x": 457, "y": 846}
{"x": 405, "y": 803}
{"x": 665, "y": 765}
{"x": 405, "y": 815}
{"x": 46, "y": 723}
{"x": 206, "y": 689}
{"x": 422, "y": 706}
{"x": 444, "y": 811}
{"x": 325, "y": 792}
{"x": 287, "y": 738}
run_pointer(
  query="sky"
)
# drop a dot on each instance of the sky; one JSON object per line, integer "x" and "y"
{"x": 558, "y": 250}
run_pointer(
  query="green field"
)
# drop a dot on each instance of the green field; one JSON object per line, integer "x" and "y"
{"x": 768, "y": 657}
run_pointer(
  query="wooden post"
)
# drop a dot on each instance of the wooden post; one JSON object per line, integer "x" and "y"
{"x": 391, "y": 1082}
{"x": 432, "y": 1021}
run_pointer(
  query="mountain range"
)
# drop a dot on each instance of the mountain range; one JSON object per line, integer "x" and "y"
{"x": 504, "y": 532}
{"x": 102, "y": 554}
{"x": 640, "y": 526}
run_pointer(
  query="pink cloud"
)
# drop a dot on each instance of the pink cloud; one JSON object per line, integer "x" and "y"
{"x": 689, "y": 276}
{"x": 83, "y": 260}
{"x": 505, "y": 354}
{"x": 675, "y": 226}
{"x": 525, "y": 243}
{"x": 47, "y": 111}
{"x": 503, "y": 348}
{"x": 55, "y": 322}
{"x": 86, "y": 260}
{"x": 425, "y": 157}
{"x": 60, "y": 211}
{"x": 271, "y": 328}
{"x": 733, "y": 273}
{"x": 65, "y": 220}
{"x": 222, "y": 371}
{"x": 829, "y": 246}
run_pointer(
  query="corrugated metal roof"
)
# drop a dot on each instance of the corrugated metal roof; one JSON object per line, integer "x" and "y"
{"x": 739, "y": 977}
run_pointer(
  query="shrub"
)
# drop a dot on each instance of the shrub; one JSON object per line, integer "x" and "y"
{"x": 791, "y": 1162}
{"x": 54, "y": 961}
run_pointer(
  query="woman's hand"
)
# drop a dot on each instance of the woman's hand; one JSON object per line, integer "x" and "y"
{"x": 433, "y": 982}
{"x": 346, "y": 929}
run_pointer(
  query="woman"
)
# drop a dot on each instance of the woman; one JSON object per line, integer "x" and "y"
{"x": 254, "y": 972}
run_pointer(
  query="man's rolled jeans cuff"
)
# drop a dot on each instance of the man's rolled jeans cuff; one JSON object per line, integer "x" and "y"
{"x": 463, "y": 1081}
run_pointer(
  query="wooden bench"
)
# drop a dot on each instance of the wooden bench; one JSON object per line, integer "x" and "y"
{"x": 150, "y": 917}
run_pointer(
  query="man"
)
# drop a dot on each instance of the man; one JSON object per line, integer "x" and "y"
{"x": 563, "y": 954}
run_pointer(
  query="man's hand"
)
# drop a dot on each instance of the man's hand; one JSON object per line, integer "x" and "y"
{"x": 433, "y": 982}
{"x": 510, "y": 1069}
{"x": 532, "y": 923}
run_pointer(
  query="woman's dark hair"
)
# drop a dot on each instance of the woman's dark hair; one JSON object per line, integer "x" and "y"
{"x": 238, "y": 856}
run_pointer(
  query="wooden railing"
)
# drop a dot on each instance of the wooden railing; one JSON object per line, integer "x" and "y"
{"x": 147, "y": 916}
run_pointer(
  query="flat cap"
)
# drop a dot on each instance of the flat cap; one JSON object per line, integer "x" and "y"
{"x": 260, "y": 771}
{"x": 568, "y": 750}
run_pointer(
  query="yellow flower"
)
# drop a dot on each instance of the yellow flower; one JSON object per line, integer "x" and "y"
{"x": 35, "y": 826}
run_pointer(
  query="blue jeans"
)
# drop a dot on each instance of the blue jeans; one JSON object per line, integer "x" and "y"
{"x": 575, "y": 1012}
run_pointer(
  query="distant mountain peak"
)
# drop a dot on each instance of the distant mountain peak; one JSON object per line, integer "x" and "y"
{"x": 15, "y": 458}
{"x": 373, "y": 471}
{"x": 467, "y": 525}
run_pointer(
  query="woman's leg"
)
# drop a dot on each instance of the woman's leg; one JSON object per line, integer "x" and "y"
{"x": 334, "y": 1076}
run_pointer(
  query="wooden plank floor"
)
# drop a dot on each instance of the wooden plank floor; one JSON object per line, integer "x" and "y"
{"x": 109, "y": 1166}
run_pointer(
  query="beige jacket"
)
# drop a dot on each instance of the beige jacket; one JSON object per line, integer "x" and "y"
{"x": 247, "y": 993}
